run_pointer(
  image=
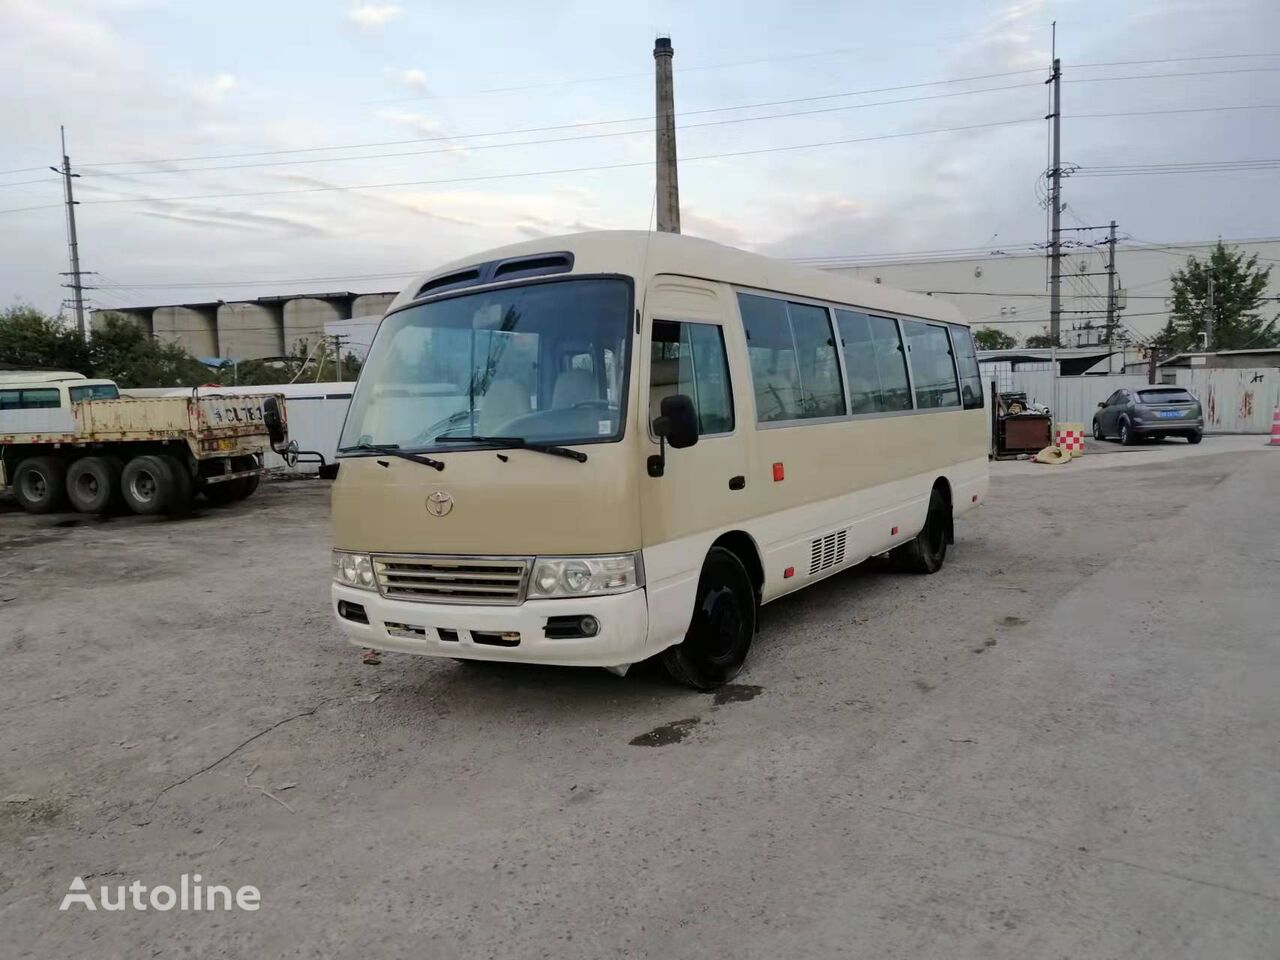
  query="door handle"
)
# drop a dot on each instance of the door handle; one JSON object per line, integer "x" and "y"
{"x": 737, "y": 483}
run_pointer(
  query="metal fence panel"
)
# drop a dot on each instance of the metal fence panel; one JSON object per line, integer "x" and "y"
{"x": 1234, "y": 401}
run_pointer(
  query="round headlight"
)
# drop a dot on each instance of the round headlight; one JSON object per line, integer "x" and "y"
{"x": 364, "y": 572}
{"x": 576, "y": 576}
{"x": 347, "y": 568}
{"x": 546, "y": 580}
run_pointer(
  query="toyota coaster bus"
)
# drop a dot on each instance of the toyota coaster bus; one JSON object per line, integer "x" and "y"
{"x": 594, "y": 449}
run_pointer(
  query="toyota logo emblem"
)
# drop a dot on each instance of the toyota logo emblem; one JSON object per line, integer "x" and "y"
{"x": 439, "y": 504}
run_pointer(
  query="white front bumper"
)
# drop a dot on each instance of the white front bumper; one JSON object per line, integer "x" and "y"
{"x": 624, "y": 628}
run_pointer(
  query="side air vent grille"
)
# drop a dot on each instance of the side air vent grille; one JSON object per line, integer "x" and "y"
{"x": 450, "y": 281}
{"x": 534, "y": 266}
{"x": 827, "y": 552}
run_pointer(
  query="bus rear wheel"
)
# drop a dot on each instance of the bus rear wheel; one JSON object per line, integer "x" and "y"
{"x": 928, "y": 551}
{"x": 93, "y": 484}
{"x": 723, "y": 625}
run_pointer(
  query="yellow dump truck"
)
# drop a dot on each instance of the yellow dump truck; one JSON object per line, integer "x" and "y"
{"x": 64, "y": 437}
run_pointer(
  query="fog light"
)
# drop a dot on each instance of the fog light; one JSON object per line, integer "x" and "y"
{"x": 589, "y": 626}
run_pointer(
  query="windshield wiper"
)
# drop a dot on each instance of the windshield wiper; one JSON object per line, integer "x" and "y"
{"x": 519, "y": 443}
{"x": 393, "y": 450}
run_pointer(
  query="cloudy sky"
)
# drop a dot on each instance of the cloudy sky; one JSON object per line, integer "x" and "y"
{"x": 937, "y": 109}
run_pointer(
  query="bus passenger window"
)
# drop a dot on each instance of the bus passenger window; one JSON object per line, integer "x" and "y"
{"x": 793, "y": 359}
{"x": 690, "y": 358}
{"x": 875, "y": 362}
{"x": 967, "y": 361}
{"x": 932, "y": 365}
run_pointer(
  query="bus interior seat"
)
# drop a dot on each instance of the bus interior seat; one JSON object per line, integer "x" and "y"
{"x": 573, "y": 387}
{"x": 664, "y": 382}
{"x": 504, "y": 401}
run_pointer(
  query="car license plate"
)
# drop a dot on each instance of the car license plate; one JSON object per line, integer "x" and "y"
{"x": 1170, "y": 413}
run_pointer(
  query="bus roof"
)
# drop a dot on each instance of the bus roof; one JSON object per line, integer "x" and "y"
{"x": 640, "y": 253}
{"x": 39, "y": 376}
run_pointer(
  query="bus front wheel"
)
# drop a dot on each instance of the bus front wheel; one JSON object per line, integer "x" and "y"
{"x": 723, "y": 625}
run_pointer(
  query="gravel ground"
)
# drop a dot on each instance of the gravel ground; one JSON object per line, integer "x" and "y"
{"x": 1063, "y": 745}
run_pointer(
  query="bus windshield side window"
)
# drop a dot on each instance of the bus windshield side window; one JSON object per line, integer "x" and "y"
{"x": 967, "y": 362}
{"x": 932, "y": 365}
{"x": 689, "y": 358}
{"x": 875, "y": 362}
{"x": 794, "y": 369}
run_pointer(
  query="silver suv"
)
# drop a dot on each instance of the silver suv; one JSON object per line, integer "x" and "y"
{"x": 1153, "y": 413}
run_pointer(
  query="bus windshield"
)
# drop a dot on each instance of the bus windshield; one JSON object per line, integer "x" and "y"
{"x": 542, "y": 363}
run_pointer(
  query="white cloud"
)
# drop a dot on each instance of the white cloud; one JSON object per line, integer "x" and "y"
{"x": 417, "y": 122}
{"x": 414, "y": 79}
{"x": 214, "y": 90}
{"x": 373, "y": 16}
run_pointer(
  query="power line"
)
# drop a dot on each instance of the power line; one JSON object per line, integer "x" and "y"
{"x": 588, "y": 136}
{"x": 571, "y": 126}
{"x": 539, "y": 173}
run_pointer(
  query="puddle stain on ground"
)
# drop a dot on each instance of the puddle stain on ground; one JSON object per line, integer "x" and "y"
{"x": 668, "y": 733}
{"x": 986, "y": 645}
{"x": 1012, "y": 621}
{"x": 737, "y": 693}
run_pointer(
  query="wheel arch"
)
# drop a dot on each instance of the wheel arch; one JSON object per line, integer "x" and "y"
{"x": 742, "y": 545}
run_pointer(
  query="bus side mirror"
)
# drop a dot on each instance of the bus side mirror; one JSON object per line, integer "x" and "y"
{"x": 273, "y": 420}
{"x": 677, "y": 426}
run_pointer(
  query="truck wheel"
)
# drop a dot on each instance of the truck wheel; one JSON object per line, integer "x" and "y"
{"x": 148, "y": 485}
{"x": 39, "y": 484}
{"x": 928, "y": 551}
{"x": 183, "y": 486}
{"x": 723, "y": 625}
{"x": 221, "y": 494}
{"x": 250, "y": 484}
{"x": 93, "y": 484}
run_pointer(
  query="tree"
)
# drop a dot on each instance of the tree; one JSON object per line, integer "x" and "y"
{"x": 1239, "y": 292}
{"x": 29, "y": 338}
{"x": 989, "y": 338}
{"x": 1042, "y": 341}
{"x": 121, "y": 350}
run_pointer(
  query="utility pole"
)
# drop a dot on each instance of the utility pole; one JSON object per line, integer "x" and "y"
{"x": 1208, "y": 316}
{"x": 338, "y": 340}
{"x": 73, "y": 247}
{"x": 668, "y": 187}
{"x": 1055, "y": 207}
{"x": 1111, "y": 289}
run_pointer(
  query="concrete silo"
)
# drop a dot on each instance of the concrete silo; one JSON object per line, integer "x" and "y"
{"x": 251, "y": 331}
{"x": 193, "y": 328}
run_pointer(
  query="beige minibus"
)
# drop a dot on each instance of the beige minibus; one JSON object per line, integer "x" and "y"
{"x": 599, "y": 448}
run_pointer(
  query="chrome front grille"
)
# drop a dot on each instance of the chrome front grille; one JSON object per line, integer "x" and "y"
{"x": 498, "y": 580}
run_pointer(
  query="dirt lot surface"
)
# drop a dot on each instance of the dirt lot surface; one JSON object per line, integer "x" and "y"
{"x": 1063, "y": 745}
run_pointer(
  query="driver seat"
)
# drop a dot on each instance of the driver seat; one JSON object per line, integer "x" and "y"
{"x": 573, "y": 387}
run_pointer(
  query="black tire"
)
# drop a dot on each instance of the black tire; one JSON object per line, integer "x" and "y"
{"x": 183, "y": 486}
{"x": 228, "y": 491}
{"x": 39, "y": 484}
{"x": 1127, "y": 436}
{"x": 1194, "y": 437}
{"x": 1097, "y": 430}
{"x": 723, "y": 625}
{"x": 928, "y": 551}
{"x": 147, "y": 485}
{"x": 250, "y": 485}
{"x": 93, "y": 484}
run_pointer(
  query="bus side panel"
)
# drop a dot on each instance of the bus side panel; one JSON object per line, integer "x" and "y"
{"x": 864, "y": 477}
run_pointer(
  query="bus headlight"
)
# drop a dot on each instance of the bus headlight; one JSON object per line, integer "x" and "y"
{"x": 585, "y": 576}
{"x": 353, "y": 570}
